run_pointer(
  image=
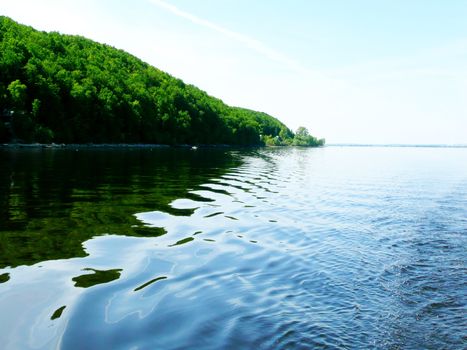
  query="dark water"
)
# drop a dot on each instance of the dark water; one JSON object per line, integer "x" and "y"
{"x": 332, "y": 248}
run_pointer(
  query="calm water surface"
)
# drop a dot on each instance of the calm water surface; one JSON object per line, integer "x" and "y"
{"x": 331, "y": 248}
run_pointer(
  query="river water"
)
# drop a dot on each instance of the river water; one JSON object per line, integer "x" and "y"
{"x": 276, "y": 248}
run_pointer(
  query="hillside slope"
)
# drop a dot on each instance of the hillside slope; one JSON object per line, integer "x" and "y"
{"x": 69, "y": 89}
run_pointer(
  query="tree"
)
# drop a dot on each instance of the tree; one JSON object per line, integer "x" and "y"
{"x": 302, "y": 132}
{"x": 17, "y": 92}
{"x": 72, "y": 90}
{"x": 304, "y": 139}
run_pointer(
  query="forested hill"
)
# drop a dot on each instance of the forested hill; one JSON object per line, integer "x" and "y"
{"x": 69, "y": 89}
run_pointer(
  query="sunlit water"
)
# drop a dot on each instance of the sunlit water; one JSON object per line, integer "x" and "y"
{"x": 330, "y": 248}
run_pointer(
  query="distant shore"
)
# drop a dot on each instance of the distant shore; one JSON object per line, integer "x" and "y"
{"x": 396, "y": 145}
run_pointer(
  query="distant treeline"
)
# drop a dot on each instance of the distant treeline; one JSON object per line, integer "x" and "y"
{"x": 69, "y": 89}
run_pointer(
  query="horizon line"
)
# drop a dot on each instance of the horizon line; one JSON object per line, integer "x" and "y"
{"x": 426, "y": 145}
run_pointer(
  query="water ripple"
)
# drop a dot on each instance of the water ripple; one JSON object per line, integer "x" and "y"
{"x": 331, "y": 248}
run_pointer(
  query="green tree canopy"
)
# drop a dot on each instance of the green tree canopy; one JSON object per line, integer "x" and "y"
{"x": 17, "y": 92}
{"x": 303, "y": 138}
{"x": 69, "y": 89}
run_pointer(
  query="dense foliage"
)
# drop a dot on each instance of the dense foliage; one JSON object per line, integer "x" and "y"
{"x": 69, "y": 89}
{"x": 302, "y": 138}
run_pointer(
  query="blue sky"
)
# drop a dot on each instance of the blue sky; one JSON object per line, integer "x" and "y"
{"x": 357, "y": 71}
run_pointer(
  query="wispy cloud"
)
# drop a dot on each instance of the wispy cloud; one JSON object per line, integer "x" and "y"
{"x": 249, "y": 42}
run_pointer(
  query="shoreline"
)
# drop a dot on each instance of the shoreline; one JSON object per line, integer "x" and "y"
{"x": 112, "y": 145}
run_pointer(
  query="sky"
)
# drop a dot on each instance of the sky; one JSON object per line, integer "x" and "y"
{"x": 351, "y": 71}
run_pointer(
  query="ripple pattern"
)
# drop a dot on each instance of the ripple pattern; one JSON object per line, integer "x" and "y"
{"x": 332, "y": 248}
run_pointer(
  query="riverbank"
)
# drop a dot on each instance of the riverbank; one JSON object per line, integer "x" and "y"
{"x": 108, "y": 145}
